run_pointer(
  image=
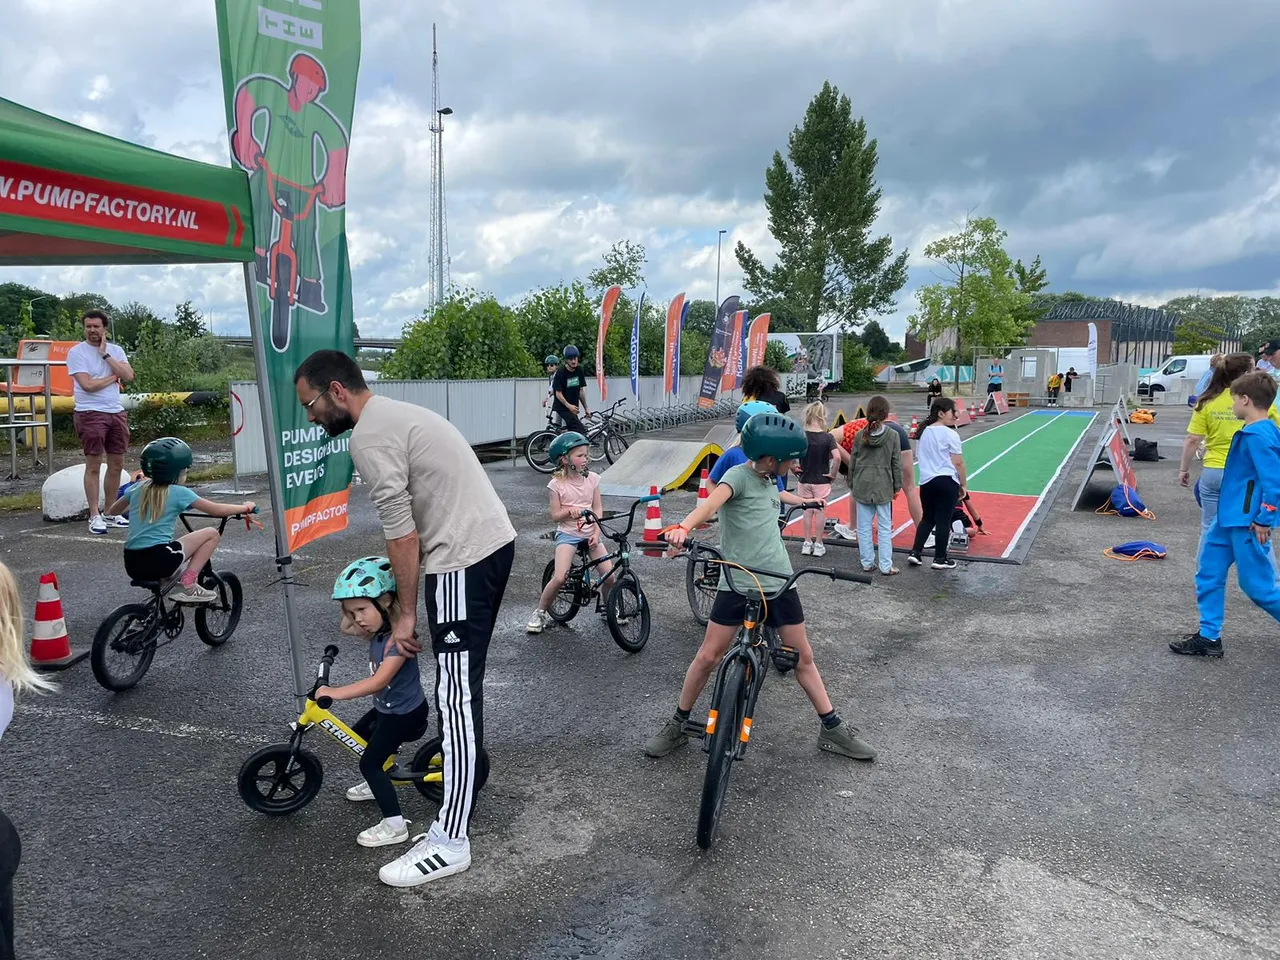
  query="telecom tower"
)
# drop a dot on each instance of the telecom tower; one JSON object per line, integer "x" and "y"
{"x": 438, "y": 242}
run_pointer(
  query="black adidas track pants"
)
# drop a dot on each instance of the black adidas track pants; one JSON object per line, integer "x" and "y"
{"x": 462, "y": 609}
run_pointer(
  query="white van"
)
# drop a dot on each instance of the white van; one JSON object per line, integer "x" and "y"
{"x": 1183, "y": 367}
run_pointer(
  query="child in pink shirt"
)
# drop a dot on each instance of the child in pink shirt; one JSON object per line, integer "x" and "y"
{"x": 574, "y": 488}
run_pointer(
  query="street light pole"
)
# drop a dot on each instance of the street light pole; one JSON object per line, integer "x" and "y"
{"x": 440, "y": 115}
{"x": 719, "y": 237}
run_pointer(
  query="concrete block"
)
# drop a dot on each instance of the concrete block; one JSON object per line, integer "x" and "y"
{"x": 62, "y": 495}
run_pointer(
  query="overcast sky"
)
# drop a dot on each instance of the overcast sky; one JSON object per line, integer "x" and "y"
{"x": 1133, "y": 144}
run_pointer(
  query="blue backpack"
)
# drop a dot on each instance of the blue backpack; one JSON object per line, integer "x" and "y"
{"x": 1125, "y": 502}
{"x": 1137, "y": 550}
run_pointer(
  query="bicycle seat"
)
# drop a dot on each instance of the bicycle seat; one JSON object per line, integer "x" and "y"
{"x": 153, "y": 585}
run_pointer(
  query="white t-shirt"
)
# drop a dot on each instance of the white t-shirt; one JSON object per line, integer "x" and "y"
{"x": 933, "y": 453}
{"x": 6, "y": 705}
{"x": 85, "y": 358}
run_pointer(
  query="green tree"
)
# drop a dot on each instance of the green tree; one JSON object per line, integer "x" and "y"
{"x": 775, "y": 356}
{"x": 1031, "y": 280}
{"x": 623, "y": 265}
{"x": 822, "y": 209}
{"x": 131, "y": 322}
{"x": 553, "y": 317}
{"x": 41, "y": 305}
{"x": 67, "y": 324}
{"x": 467, "y": 337}
{"x": 701, "y": 317}
{"x": 1263, "y": 325}
{"x": 1204, "y": 322}
{"x": 980, "y": 300}
{"x": 1197, "y": 335}
{"x": 163, "y": 360}
{"x": 81, "y": 303}
{"x": 859, "y": 367}
{"x": 877, "y": 342}
{"x": 187, "y": 320}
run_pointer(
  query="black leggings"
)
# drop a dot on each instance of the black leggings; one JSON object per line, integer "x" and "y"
{"x": 10, "y": 854}
{"x": 938, "y": 499}
{"x": 385, "y": 732}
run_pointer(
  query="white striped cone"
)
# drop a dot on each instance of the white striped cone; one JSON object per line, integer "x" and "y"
{"x": 915, "y": 425}
{"x": 653, "y": 525}
{"x": 50, "y": 644}
{"x": 704, "y": 491}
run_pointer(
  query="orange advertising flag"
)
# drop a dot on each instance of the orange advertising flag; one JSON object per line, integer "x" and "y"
{"x": 669, "y": 372}
{"x": 757, "y": 340}
{"x": 606, "y": 312}
{"x": 729, "y": 379}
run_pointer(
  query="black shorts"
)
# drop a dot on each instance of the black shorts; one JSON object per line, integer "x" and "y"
{"x": 729, "y": 608}
{"x": 157, "y": 562}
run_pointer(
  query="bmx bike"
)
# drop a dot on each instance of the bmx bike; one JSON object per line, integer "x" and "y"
{"x": 282, "y": 255}
{"x": 739, "y": 679}
{"x": 284, "y": 777}
{"x": 606, "y": 440}
{"x": 127, "y": 640}
{"x": 625, "y": 606}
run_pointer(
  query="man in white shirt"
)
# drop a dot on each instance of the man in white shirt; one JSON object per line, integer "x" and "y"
{"x": 1269, "y": 358}
{"x": 97, "y": 368}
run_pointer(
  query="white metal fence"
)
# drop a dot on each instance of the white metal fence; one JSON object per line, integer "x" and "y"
{"x": 484, "y": 411}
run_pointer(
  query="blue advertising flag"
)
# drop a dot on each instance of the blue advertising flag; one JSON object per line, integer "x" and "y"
{"x": 635, "y": 350}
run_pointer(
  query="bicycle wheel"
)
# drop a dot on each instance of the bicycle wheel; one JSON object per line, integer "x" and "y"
{"x": 272, "y": 783}
{"x": 596, "y": 438}
{"x": 701, "y": 583}
{"x": 281, "y": 308}
{"x": 729, "y": 709}
{"x": 537, "y": 450}
{"x": 564, "y": 606}
{"x": 124, "y": 646}
{"x": 215, "y": 622}
{"x": 615, "y": 445}
{"x": 429, "y": 759}
{"x": 627, "y": 613}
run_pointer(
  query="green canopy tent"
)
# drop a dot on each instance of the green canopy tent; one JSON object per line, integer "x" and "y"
{"x": 74, "y": 196}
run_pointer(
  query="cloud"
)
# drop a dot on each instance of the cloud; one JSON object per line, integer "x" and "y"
{"x": 1133, "y": 146}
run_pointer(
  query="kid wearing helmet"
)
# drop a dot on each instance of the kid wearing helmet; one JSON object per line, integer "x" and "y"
{"x": 748, "y": 503}
{"x": 574, "y": 488}
{"x": 735, "y": 455}
{"x": 150, "y": 552}
{"x": 566, "y": 387}
{"x": 552, "y": 365}
{"x": 367, "y": 592}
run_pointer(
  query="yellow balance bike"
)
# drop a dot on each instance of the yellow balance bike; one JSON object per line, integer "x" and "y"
{"x": 283, "y": 778}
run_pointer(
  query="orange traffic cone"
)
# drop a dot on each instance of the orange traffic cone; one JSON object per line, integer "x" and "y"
{"x": 982, "y": 409}
{"x": 704, "y": 491}
{"x": 50, "y": 645}
{"x": 915, "y": 426}
{"x": 653, "y": 527}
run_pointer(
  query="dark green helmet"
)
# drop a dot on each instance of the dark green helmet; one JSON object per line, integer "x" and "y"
{"x": 562, "y": 444}
{"x": 164, "y": 460}
{"x": 773, "y": 435}
{"x": 551, "y": 361}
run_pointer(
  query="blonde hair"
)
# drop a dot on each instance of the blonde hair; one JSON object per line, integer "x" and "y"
{"x": 816, "y": 412}
{"x": 564, "y": 468}
{"x": 152, "y": 496}
{"x": 14, "y": 666}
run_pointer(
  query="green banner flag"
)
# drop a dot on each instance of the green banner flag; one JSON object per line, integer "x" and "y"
{"x": 289, "y": 78}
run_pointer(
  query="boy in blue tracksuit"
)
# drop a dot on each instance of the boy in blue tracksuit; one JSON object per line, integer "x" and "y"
{"x": 1247, "y": 512}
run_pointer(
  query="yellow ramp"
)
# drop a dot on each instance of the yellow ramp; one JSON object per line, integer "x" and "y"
{"x": 665, "y": 464}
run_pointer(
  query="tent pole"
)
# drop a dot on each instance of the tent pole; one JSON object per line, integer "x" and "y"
{"x": 284, "y": 562}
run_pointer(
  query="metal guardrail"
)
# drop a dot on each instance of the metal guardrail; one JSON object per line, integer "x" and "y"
{"x": 28, "y": 421}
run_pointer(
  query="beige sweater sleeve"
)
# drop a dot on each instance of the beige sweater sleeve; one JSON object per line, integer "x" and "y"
{"x": 386, "y": 469}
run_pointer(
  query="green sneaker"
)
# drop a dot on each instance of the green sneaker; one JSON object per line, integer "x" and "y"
{"x": 844, "y": 740}
{"x": 671, "y": 735}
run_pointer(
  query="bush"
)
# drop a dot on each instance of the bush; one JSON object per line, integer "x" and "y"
{"x": 466, "y": 338}
{"x": 171, "y": 417}
{"x": 775, "y": 356}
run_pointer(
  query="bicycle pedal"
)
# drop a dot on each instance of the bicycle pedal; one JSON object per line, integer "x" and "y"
{"x": 695, "y": 728}
{"x": 785, "y": 658}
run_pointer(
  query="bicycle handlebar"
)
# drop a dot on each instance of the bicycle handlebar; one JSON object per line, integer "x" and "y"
{"x": 588, "y": 514}
{"x": 322, "y": 676}
{"x": 696, "y": 546}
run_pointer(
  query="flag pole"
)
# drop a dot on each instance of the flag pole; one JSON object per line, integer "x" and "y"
{"x": 284, "y": 562}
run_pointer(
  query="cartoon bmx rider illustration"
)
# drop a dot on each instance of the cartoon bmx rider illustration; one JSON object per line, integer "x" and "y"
{"x": 295, "y": 152}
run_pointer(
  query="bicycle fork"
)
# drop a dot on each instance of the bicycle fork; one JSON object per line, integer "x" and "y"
{"x": 756, "y": 668}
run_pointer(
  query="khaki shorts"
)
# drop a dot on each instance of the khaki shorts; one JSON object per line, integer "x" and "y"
{"x": 813, "y": 491}
{"x": 101, "y": 433}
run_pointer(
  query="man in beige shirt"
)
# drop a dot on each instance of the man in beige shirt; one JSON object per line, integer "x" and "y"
{"x": 440, "y": 516}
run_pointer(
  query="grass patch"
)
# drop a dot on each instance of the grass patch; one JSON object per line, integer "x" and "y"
{"x": 19, "y": 502}
{"x": 213, "y": 471}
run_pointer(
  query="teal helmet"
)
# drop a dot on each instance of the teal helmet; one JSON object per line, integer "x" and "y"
{"x": 562, "y": 444}
{"x": 164, "y": 460}
{"x": 551, "y": 361}
{"x": 773, "y": 435}
{"x": 750, "y": 409}
{"x": 367, "y": 578}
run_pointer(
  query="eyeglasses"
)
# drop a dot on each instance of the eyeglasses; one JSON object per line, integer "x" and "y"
{"x": 307, "y": 405}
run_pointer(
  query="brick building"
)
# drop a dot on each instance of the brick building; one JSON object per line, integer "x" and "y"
{"x": 1126, "y": 333}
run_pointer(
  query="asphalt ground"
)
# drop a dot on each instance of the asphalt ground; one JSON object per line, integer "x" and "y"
{"x": 1052, "y": 781}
